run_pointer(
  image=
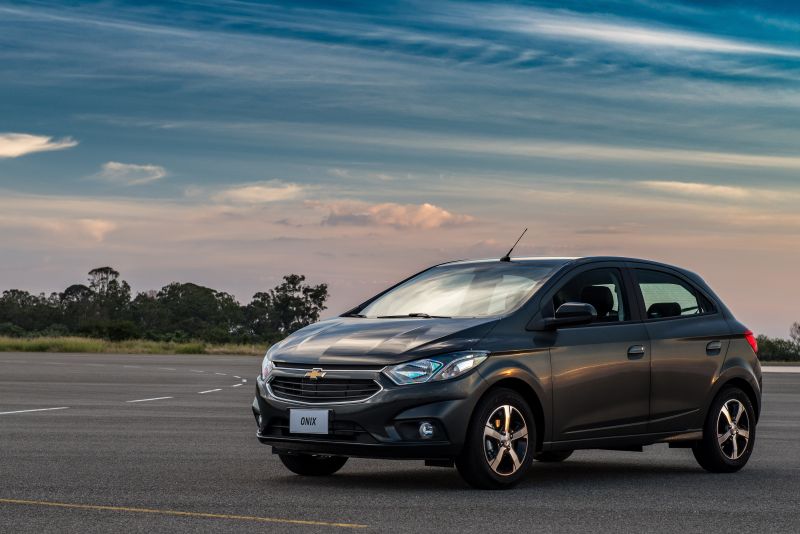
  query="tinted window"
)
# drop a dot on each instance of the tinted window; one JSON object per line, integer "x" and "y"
{"x": 602, "y": 288}
{"x": 666, "y": 295}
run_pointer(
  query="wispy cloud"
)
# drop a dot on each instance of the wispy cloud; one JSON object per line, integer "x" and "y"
{"x": 622, "y": 32}
{"x": 425, "y": 216}
{"x": 537, "y": 148}
{"x": 259, "y": 193}
{"x": 722, "y": 192}
{"x": 130, "y": 173}
{"x": 14, "y": 145}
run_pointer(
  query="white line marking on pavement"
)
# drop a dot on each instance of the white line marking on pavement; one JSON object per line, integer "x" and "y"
{"x": 147, "y": 400}
{"x": 236, "y": 385}
{"x": 36, "y": 410}
{"x": 196, "y": 371}
{"x": 132, "y": 366}
{"x": 167, "y": 368}
{"x": 221, "y": 374}
{"x": 234, "y": 376}
{"x": 244, "y": 380}
{"x": 781, "y": 369}
{"x": 209, "y": 391}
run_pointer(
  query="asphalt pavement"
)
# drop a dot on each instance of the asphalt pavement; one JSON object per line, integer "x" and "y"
{"x": 142, "y": 443}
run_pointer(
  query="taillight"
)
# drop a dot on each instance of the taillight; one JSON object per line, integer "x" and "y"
{"x": 752, "y": 340}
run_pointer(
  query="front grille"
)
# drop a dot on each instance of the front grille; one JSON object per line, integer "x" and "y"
{"x": 329, "y": 366}
{"x": 323, "y": 390}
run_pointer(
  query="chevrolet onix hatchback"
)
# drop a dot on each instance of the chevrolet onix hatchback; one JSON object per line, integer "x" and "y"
{"x": 489, "y": 365}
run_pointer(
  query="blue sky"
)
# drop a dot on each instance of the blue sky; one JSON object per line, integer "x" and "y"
{"x": 229, "y": 143}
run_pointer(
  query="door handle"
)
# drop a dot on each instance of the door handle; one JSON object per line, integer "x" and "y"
{"x": 714, "y": 348}
{"x": 635, "y": 352}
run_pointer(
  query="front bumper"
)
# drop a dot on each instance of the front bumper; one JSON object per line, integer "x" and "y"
{"x": 383, "y": 426}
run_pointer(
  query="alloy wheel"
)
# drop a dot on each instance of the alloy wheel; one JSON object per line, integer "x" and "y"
{"x": 733, "y": 429}
{"x": 505, "y": 439}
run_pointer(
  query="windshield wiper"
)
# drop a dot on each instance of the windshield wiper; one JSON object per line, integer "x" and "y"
{"x": 422, "y": 315}
{"x": 354, "y": 315}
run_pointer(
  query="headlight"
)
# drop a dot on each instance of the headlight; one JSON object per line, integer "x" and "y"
{"x": 442, "y": 367}
{"x": 266, "y": 365}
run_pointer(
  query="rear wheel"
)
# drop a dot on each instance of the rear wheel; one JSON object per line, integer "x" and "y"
{"x": 552, "y": 456}
{"x": 500, "y": 441}
{"x": 311, "y": 464}
{"x": 729, "y": 433}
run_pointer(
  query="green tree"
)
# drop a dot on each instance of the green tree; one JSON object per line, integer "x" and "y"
{"x": 190, "y": 311}
{"x": 110, "y": 295}
{"x": 776, "y": 349}
{"x": 76, "y": 306}
{"x": 794, "y": 333}
{"x": 286, "y": 308}
{"x": 28, "y": 312}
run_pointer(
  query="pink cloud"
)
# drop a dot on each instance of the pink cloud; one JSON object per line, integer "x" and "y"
{"x": 426, "y": 216}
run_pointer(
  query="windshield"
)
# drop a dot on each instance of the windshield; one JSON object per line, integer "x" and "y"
{"x": 467, "y": 290}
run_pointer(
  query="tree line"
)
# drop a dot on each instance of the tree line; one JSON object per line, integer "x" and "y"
{"x": 105, "y": 308}
{"x": 779, "y": 349}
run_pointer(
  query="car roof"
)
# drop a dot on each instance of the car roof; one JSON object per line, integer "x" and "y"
{"x": 576, "y": 260}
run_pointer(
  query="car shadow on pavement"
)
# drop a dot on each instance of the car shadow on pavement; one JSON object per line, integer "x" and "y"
{"x": 564, "y": 475}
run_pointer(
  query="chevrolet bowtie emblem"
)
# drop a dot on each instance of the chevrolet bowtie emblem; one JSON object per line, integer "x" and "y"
{"x": 315, "y": 374}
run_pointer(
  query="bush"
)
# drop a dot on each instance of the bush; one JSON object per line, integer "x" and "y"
{"x": 54, "y": 330}
{"x": 11, "y": 330}
{"x": 777, "y": 349}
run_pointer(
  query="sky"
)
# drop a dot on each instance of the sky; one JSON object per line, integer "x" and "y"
{"x": 229, "y": 143}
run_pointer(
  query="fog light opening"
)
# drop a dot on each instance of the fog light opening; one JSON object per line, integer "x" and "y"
{"x": 426, "y": 430}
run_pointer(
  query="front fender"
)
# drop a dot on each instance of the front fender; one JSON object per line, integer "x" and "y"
{"x": 531, "y": 370}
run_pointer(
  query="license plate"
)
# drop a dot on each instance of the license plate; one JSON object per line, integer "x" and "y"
{"x": 308, "y": 421}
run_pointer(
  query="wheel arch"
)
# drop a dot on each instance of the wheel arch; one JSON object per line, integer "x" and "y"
{"x": 741, "y": 382}
{"x": 527, "y": 392}
{"x": 745, "y": 386}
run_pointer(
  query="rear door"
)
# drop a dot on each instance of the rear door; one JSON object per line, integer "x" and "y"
{"x": 689, "y": 338}
{"x": 600, "y": 371}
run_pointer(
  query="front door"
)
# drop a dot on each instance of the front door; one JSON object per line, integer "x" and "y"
{"x": 600, "y": 371}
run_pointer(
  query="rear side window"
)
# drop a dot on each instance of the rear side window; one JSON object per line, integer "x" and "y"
{"x": 666, "y": 295}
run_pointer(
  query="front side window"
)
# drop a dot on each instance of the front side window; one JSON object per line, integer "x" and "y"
{"x": 602, "y": 288}
{"x": 666, "y": 295}
{"x": 468, "y": 290}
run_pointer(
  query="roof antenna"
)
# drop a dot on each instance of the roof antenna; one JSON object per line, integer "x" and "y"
{"x": 507, "y": 257}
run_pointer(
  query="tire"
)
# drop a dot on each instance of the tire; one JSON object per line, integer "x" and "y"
{"x": 497, "y": 455}
{"x": 312, "y": 465}
{"x": 729, "y": 434}
{"x": 552, "y": 456}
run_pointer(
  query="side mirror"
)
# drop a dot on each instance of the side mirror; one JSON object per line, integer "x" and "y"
{"x": 571, "y": 314}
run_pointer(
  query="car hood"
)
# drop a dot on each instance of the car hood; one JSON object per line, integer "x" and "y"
{"x": 361, "y": 341}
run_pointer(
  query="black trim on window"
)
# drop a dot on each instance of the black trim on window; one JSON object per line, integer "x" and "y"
{"x": 628, "y": 300}
{"x": 702, "y": 297}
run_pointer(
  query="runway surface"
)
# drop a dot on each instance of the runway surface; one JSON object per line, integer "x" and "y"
{"x": 140, "y": 443}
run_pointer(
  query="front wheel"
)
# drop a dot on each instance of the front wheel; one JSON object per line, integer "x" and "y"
{"x": 500, "y": 441}
{"x": 312, "y": 465}
{"x": 729, "y": 433}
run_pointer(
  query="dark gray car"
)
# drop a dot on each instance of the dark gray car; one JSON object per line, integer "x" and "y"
{"x": 488, "y": 365}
